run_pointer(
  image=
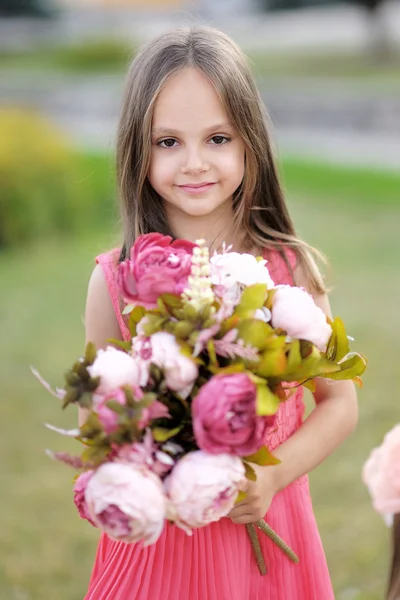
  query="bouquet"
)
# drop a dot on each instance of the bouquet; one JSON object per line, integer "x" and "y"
{"x": 382, "y": 476}
{"x": 178, "y": 414}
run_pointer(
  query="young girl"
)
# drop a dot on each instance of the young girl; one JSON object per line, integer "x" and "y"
{"x": 394, "y": 578}
{"x": 194, "y": 160}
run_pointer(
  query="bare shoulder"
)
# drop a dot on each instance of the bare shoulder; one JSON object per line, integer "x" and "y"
{"x": 100, "y": 319}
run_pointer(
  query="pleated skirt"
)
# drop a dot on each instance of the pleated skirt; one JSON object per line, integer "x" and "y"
{"x": 217, "y": 561}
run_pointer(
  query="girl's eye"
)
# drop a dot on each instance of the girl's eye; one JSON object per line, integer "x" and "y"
{"x": 218, "y": 140}
{"x": 167, "y": 143}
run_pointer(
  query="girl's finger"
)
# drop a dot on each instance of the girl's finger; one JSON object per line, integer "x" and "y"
{"x": 244, "y": 519}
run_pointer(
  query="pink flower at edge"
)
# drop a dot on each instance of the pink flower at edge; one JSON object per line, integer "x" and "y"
{"x": 381, "y": 474}
{"x": 156, "y": 266}
{"x": 79, "y": 495}
{"x": 202, "y": 488}
{"x": 127, "y": 502}
{"x": 225, "y": 418}
{"x": 295, "y": 311}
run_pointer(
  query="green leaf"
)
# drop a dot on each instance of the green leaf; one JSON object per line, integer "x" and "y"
{"x": 116, "y": 407}
{"x": 315, "y": 365}
{"x": 338, "y": 345}
{"x": 294, "y": 356}
{"x": 267, "y": 402}
{"x": 161, "y": 434}
{"x": 162, "y": 307}
{"x": 238, "y": 367}
{"x": 190, "y": 313}
{"x": 240, "y": 497}
{"x": 128, "y": 309}
{"x": 254, "y": 333}
{"x": 90, "y": 353}
{"x": 273, "y": 362}
{"x": 310, "y": 385}
{"x": 171, "y": 300}
{"x": 262, "y": 457}
{"x": 249, "y": 472}
{"x": 211, "y": 352}
{"x": 126, "y": 346}
{"x": 253, "y": 297}
{"x": 349, "y": 369}
{"x": 182, "y": 330}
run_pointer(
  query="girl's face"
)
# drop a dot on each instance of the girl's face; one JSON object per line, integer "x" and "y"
{"x": 197, "y": 158}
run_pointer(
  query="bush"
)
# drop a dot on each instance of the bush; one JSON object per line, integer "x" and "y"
{"x": 94, "y": 55}
{"x": 43, "y": 185}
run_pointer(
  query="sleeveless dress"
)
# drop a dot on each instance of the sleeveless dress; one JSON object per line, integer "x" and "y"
{"x": 217, "y": 561}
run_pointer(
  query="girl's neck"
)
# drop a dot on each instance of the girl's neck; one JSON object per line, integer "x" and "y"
{"x": 215, "y": 229}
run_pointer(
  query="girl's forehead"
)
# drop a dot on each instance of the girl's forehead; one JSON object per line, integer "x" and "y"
{"x": 188, "y": 99}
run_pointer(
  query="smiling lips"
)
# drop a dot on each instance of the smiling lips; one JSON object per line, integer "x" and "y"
{"x": 196, "y": 188}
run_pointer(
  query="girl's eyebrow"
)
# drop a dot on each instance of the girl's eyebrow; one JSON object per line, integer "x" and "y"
{"x": 170, "y": 131}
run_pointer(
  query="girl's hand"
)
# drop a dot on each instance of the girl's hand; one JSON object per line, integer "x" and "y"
{"x": 259, "y": 495}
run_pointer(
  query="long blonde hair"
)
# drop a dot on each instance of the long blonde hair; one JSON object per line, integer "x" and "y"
{"x": 260, "y": 211}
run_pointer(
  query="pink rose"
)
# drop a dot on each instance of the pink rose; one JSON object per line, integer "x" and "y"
{"x": 116, "y": 369}
{"x": 225, "y": 417}
{"x": 79, "y": 495}
{"x": 381, "y": 473}
{"x": 128, "y": 503}
{"x": 180, "y": 371}
{"x": 156, "y": 266}
{"x": 295, "y": 311}
{"x": 202, "y": 488}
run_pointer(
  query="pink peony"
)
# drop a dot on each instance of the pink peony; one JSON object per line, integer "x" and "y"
{"x": 295, "y": 311}
{"x": 225, "y": 418}
{"x": 147, "y": 454}
{"x": 180, "y": 371}
{"x": 109, "y": 418}
{"x": 116, "y": 369}
{"x": 128, "y": 503}
{"x": 381, "y": 473}
{"x": 79, "y": 495}
{"x": 202, "y": 488}
{"x": 156, "y": 266}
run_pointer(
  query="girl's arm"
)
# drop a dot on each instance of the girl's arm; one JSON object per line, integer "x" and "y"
{"x": 332, "y": 420}
{"x": 100, "y": 319}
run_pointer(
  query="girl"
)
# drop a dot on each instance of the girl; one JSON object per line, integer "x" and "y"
{"x": 394, "y": 579}
{"x": 194, "y": 160}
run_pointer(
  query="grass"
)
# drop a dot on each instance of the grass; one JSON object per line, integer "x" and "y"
{"x": 94, "y": 55}
{"x": 45, "y": 550}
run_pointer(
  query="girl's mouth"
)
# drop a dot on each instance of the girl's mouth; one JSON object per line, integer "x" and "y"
{"x": 196, "y": 188}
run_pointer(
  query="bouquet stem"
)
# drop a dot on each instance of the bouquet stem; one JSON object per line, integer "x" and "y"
{"x": 252, "y": 533}
{"x": 265, "y": 528}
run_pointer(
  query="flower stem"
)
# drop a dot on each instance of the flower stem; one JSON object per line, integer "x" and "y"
{"x": 265, "y": 528}
{"x": 252, "y": 533}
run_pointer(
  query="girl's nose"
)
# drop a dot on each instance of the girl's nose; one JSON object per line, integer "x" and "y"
{"x": 194, "y": 164}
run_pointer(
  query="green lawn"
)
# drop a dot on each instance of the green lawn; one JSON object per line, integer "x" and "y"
{"x": 46, "y": 551}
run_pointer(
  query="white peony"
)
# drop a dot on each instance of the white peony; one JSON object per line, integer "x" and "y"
{"x": 232, "y": 268}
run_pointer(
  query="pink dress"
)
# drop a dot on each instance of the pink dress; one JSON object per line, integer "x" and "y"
{"x": 217, "y": 561}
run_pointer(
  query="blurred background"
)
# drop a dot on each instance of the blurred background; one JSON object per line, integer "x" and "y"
{"x": 330, "y": 76}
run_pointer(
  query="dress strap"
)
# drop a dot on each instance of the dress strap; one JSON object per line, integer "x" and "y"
{"x": 109, "y": 263}
{"x": 281, "y": 268}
